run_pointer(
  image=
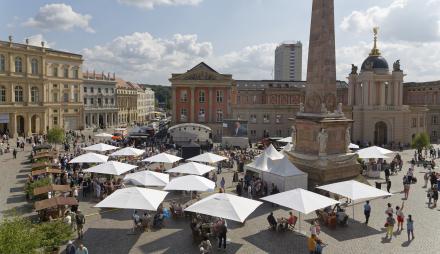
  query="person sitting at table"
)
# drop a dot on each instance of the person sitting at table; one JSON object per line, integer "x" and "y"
{"x": 341, "y": 217}
{"x": 291, "y": 221}
{"x": 205, "y": 246}
{"x": 158, "y": 220}
{"x": 145, "y": 221}
{"x": 282, "y": 224}
{"x": 272, "y": 221}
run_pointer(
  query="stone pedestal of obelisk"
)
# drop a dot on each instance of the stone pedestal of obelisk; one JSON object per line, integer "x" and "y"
{"x": 321, "y": 133}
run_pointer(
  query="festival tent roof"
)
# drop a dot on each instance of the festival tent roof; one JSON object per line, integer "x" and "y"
{"x": 163, "y": 158}
{"x": 208, "y": 158}
{"x": 148, "y": 178}
{"x": 101, "y": 147}
{"x": 285, "y": 140}
{"x": 192, "y": 168}
{"x": 128, "y": 151}
{"x": 225, "y": 206}
{"x": 374, "y": 152}
{"x": 134, "y": 198}
{"x": 354, "y": 190}
{"x": 300, "y": 200}
{"x": 104, "y": 135}
{"x": 353, "y": 146}
{"x": 89, "y": 158}
{"x": 190, "y": 183}
{"x": 111, "y": 168}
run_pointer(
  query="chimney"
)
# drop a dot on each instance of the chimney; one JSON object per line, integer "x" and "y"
{"x": 27, "y": 41}
{"x": 114, "y": 76}
{"x": 108, "y": 76}
{"x": 42, "y": 44}
{"x": 94, "y": 74}
{"x": 10, "y": 40}
{"x": 102, "y": 75}
{"x": 87, "y": 74}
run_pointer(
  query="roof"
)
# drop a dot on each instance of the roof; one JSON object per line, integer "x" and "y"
{"x": 54, "y": 202}
{"x": 22, "y": 45}
{"x": 189, "y": 125}
{"x": 377, "y": 62}
{"x": 203, "y": 64}
{"x": 98, "y": 76}
{"x": 428, "y": 83}
{"x": 51, "y": 187}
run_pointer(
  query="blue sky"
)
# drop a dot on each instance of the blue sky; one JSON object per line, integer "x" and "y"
{"x": 147, "y": 40}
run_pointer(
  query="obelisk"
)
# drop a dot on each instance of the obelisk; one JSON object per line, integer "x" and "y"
{"x": 321, "y": 132}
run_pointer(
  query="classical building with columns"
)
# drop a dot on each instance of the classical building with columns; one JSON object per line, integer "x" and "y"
{"x": 40, "y": 88}
{"x": 202, "y": 95}
{"x": 100, "y": 108}
{"x": 379, "y": 111}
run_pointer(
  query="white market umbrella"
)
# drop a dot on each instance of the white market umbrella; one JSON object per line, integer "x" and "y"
{"x": 163, "y": 158}
{"x": 111, "y": 168}
{"x": 134, "y": 198}
{"x": 191, "y": 168}
{"x": 101, "y": 147}
{"x": 225, "y": 206}
{"x": 354, "y": 190}
{"x": 190, "y": 183}
{"x": 128, "y": 151}
{"x": 208, "y": 158}
{"x": 148, "y": 178}
{"x": 90, "y": 158}
{"x": 301, "y": 200}
{"x": 104, "y": 135}
{"x": 285, "y": 140}
{"x": 353, "y": 146}
{"x": 374, "y": 152}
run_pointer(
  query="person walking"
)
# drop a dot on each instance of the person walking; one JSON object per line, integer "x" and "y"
{"x": 223, "y": 230}
{"x": 410, "y": 227}
{"x": 400, "y": 216}
{"x": 406, "y": 187}
{"x": 14, "y": 153}
{"x": 311, "y": 243}
{"x": 80, "y": 221}
{"x": 390, "y": 225}
{"x": 435, "y": 196}
{"x": 222, "y": 183}
{"x": 70, "y": 248}
{"x": 388, "y": 185}
{"x": 249, "y": 190}
{"x": 367, "y": 211}
{"x": 82, "y": 249}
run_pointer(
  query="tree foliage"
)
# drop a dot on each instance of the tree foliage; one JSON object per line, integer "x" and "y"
{"x": 56, "y": 136}
{"x": 420, "y": 141}
{"x": 53, "y": 234}
{"x": 18, "y": 236}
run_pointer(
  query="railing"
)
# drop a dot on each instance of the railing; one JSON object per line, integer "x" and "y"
{"x": 381, "y": 108}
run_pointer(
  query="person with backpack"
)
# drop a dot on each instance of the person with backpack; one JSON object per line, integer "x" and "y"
{"x": 80, "y": 221}
{"x": 70, "y": 248}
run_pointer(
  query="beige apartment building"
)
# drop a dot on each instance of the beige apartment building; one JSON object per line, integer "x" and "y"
{"x": 145, "y": 104}
{"x": 126, "y": 97}
{"x": 40, "y": 88}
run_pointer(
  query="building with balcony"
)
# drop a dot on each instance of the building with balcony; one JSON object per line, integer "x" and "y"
{"x": 100, "y": 108}
{"x": 40, "y": 88}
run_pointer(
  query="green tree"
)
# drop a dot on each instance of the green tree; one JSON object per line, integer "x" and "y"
{"x": 18, "y": 236}
{"x": 56, "y": 136}
{"x": 420, "y": 141}
{"x": 29, "y": 189}
{"x": 53, "y": 234}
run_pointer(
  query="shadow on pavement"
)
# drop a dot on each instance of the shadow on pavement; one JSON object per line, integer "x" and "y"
{"x": 16, "y": 189}
{"x": 16, "y": 199}
{"x": 108, "y": 240}
{"x": 353, "y": 230}
{"x": 278, "y": 242}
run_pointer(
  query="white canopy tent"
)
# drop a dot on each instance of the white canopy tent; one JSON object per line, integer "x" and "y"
{"x": 192, "y": 168}
{"x": 353, "y": 146}
{"x": 101, "y": 147}
{"x": 128, "y": 151}
{"x": 225, "y": 206}
{"x": 163, "y": 158}
{"x": 190, "y": 183}
{"x": 301, "y": 200}
{"x": 90, "y": 158}
{"x": 104, "y": 135}
{"x": 374, "y": 152}
{"x": 354, "y": 190}
{"x": 285, "y": 140}
{"x": 148, "y": 178}
{"x": 111, "y": 168}
{"x": 286, "y": 148}
{"x": 208, "y": 158}
{"x": 134, "y": 198}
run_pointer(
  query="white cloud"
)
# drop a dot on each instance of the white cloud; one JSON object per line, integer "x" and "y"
{"x": 150, "y": 4}
{"x": 59, "y": 17}
{"x": 36, "y": 40}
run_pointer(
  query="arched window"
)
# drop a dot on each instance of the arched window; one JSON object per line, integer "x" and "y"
{"x": 34, "y": 66}
{"x": 19, "y": 94}
{"x": 2, "y": 94}
{"x": 35, "y": 95}
{"x": 18, "y": 64}
{"x": 2, "y": 63}
{"x": 202, "y": 96}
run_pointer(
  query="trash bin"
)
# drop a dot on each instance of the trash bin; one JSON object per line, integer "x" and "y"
{"x": 378, "y": 185}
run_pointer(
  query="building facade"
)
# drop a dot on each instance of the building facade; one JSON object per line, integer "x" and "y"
{"x": 40, "y": 88}
{"x": 145, "y": 104}
{"x": 100, "y": 108}
{"x": 126, "y": 98}
{"x": 288, "y": 61}
{"x": 202, "y": 95}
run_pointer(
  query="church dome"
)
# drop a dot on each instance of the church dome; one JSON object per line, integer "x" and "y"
{"x": 374, "y": 62}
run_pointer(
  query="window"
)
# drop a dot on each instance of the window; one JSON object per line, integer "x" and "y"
{"x": 106, "y": 90}
{"x": 75, "y": 73}
{"x": 19, "y": 94}
{"x": 55, "y": 120}
{"x": 35, "y": 94}
{"x": 34, "y": 66}
{"x": 278, "y": 119}
{"x": 219, "y": 115}
{"x": 414, "y": 123}
{"x": 266, "y": 118}
{"x": 253, "y": 133}
{"x": 92, "y": 101}
{"x": 55, "y": 71}
{"x": 112, "y": 101}
{"x": 253, "y": 119}
{"x": 66, "y": 97}
{"x": 99, "y": 102}
{"x": 2, "y": 94}
{"x": 85, "y": 89}
{"x": 2, "y": 63}
{"x": 66, "y": 72}
{"x": 201, "y": 115}
{"x": 55, "y": 86}
{"x": 183, "y": 96}
{"x": 113, "y": 90}
{"x": 66, "y": 86}
{"x": 66, "y": 110}
{"x": 434, "y": 134}
{"x": 434, "y": 120}
{"x": 55, "y": 97}
{"x": 219, "y": 96}
{"x": 92, "y": 90}
{"x": 75, "y": 110}
{"x": 85, "y": 101}
{"x": 422, "y": 122}
{"x": 202, "y": 96}
{"x": 183, "y": 115}
{"x": 106, "y": 101}
{"x": 18, "y": 64}
{"x": 99, "y": 90}
{"x": 75, "y": 97}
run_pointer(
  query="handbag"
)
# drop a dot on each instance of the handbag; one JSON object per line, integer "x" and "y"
{"x": 386, "y": 224}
